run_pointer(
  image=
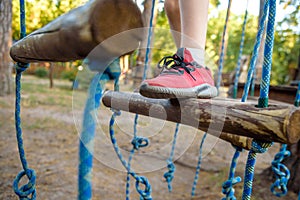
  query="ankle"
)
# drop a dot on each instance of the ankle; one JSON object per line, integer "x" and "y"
{"x": 198, "y": 55}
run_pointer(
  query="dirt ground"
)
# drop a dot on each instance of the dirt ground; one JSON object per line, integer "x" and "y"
{"x": 51, "y": 125}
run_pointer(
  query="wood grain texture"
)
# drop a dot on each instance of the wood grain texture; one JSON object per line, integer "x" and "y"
{"x": 278, "y": 123}
{"x": 75, "y": 34}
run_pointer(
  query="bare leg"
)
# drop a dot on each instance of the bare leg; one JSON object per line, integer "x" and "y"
{"x": 173, "y": 14}
{"x": 194, "y": 17}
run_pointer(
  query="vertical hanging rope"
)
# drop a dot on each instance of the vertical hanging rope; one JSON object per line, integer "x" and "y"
{"x": 137, "y": 141}
{"x": 238, "y": 67}
{"x": 169, "y": 175}
{"x": 145, "y": 191}
{"x": 148, "y": 49}
{"x": 220, "y": 69}
{"x": 227, "y": 186}
{"x": 260, "y": 146}
{"x": 86, "y": 142}
{"x": 268, "y": 51}
{"x": 255, "y": 50}
{"x": 252, "y": 91}
{"x": 257, "y": 147}
{"x": 27, "y": 191}
{"x": 198, "y": 166}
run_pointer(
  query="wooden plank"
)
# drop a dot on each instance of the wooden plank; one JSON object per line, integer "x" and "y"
{"x": 278, "y": 123}
{"x": 75, "y": 34}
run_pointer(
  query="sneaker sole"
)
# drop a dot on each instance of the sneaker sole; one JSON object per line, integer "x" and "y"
{"x": 204, "y": 91}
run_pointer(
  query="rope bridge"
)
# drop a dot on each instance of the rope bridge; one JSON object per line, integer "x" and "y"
{"x": 246, "y": 125}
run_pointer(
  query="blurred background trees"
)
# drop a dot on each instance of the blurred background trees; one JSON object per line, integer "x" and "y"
{"x": 286, "y": 47}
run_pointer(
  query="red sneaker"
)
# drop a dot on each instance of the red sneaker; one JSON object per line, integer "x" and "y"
{"x": 181, "y": 77}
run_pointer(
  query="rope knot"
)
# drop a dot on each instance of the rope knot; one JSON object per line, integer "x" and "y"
{"x": 139, "y": 142}
{"x": 28, "y": 189}
{"x": 145, "y": 194}
{"x": 21, "y": 67}
{"x": 282, "y": 173}
{"x": 169, "y": 175}
{"x": 228, "y": 189}
{"x": 116, "y": 112}
{"x": 260, "y": 146}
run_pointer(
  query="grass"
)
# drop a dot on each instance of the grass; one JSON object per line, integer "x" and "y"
{"x": 36, "y": 92}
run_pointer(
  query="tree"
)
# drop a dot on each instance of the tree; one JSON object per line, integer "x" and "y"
{"x": 5, "y": 43}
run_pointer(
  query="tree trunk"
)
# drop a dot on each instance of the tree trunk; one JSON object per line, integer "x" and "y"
{"x": 138, "y": 70}
{"x": 5, "y": 44}
{"x": 51, "y": 74}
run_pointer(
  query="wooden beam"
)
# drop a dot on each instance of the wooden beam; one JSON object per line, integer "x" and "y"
{"x": 278, "y": 123}
{"x": 75, "y": 34}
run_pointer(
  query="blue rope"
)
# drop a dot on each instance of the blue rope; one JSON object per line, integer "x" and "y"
{"x": 136, "y": 142}
{"x": 282, "y": 173}
{"x": 252, "y": 91}
{"x": 268, "y": 51}
{"x": 27, "y": 191}
{"x": 198, "y": 166}
{"x": 222, "y": 48}
{"x": 145, "y": 194}
{"x": 227, "y": 186}
{"x": 87, "y": 136}
{"x": 257, "y": 147}
{"x": 238, "y": 67}
{"x": 86, "y": 142}
{"x": 22, "y": 19}
{"x": 148, "y": 50}
{"x": 169, "y": 175}
{"x": 255, "y": 51}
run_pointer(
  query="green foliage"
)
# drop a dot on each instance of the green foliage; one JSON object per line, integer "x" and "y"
{"x": 41, "y": 72}
{"x": 69, "y": 75}
{"x": 286, "y": 46}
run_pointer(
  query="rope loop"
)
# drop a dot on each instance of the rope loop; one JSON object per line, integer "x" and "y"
{"x": 260, "y": 146}
{"x": 146, "y": 192}
{"x": 28, "y": 189}
{"x": 228, "y": 189}
{"x": 169, "y": 175}
{"x": 282, "y": 175}
{"x": 139, "y": 142}
{"x": 21, "y": 67}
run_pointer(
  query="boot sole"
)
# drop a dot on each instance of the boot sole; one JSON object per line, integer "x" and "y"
{"x": 204, "y": 91}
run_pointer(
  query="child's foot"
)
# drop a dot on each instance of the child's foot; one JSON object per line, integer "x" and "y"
{"x": 181, "y": 77}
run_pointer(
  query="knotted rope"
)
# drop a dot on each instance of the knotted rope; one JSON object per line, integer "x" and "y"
{"x": 257, "y": 147}
{"x": 198, "y": 165}
{"x": 227, "y": 186}
{"x": 27, "y": 191}
{"x": 169, "y": 175}
{"x": 282, "y": 173}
